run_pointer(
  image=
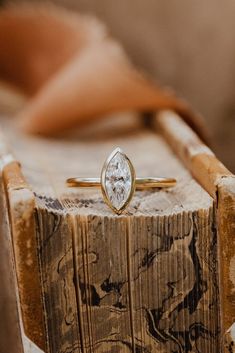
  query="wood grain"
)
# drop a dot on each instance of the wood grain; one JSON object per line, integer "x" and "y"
{"x": 21, "y": 205}
{"x": 149, "y": 280}
{"x": 10, "y": 338}
{"x": 219, "y": 182}
{"x": 144, "y": 281}
{"x": 226, "y": 219}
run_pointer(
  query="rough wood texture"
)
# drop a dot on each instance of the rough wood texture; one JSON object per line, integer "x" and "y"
{"x": 21, "y": 206}
{"x": 10, "y": 339}
{"x": 165, "y": 296}
{"x": 19, "y": 304}
{"x": 220, "y": 183}
{"x": 144, "y": 281}
{"x": 226, "y": 219}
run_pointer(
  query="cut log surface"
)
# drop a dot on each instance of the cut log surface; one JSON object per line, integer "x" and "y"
{"x": 145, "y": 281}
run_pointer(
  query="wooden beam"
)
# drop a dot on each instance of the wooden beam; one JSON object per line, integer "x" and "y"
{"x": 219, "y": 182}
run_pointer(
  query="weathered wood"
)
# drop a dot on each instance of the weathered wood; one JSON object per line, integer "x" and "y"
{"x": 10, "y": 339}
{"x": 21, "y": 206}
{"x": 146, "y": 280}
{"x": 220, "y": 183}
{"x": 198, "y": 158}
{"x": 17, "y": 300}
{"x": 226, "y": 226}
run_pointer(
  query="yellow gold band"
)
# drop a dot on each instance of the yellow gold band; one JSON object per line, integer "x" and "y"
{"x": 140, "y": 183}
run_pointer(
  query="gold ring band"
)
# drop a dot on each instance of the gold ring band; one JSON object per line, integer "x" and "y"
{"x": 118, "y": 182}
{"x": 140, "y": 183}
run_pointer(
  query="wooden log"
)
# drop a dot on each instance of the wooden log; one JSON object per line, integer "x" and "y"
{"x": 144, "y": 281}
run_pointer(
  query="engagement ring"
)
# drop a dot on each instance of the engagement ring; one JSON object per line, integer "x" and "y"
{"x": 118, "y": 182}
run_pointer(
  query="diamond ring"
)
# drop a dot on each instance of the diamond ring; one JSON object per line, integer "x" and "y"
{"x": 118, "y": 182}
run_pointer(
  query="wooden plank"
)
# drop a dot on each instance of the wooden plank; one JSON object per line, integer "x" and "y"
{"x": 16, "y": 308}
{"x": 198, "y": 158}
{"x": 10, "y": 336}
{"x": 173, "y": 288}
{"x": 102, "y": 283}
{"x": 110, "y": 282}
{"x": 220, "y": 183}
{"x": 226, "y": 226}
{"x": 21, "y": 209}
{"x": 55, "y": 252}
{"x": 20, "y": 202}
{"x": 89, "y": 311}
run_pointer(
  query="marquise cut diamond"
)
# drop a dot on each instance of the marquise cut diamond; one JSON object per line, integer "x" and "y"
{"x": 118, "y": 179}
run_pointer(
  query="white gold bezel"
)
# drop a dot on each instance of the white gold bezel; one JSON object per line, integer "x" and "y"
{"x": 103, "y": 181}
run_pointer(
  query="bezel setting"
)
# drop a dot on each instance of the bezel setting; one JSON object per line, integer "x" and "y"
{"x": 120, "y": 156}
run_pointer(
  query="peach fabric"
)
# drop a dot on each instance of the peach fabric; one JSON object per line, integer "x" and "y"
{"x": 73, "y": 71}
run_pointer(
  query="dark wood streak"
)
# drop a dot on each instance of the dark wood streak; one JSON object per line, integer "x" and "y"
{"x": 155, "y": 293}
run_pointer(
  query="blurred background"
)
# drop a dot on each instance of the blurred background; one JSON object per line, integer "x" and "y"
{"x": 189, "y": 45}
